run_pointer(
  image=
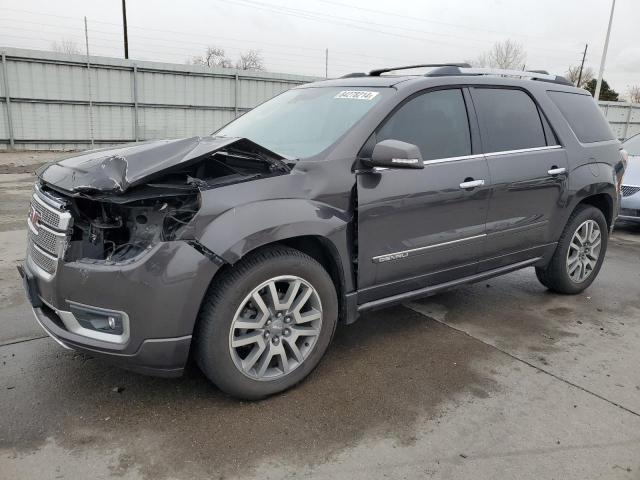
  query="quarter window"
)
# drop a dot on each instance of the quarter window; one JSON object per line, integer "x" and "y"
{"x": 436, "y": 122}
{"x": 509, "y": 120}
{"x": 584, "y": 116}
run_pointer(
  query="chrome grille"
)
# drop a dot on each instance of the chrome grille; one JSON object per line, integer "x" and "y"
{"x": 50, "y": 215}
{"x": 52, "y": 242}
{"x": 628, "y": 190}
{"x": 47, "y": 262}
{"x": 48, "y": 224}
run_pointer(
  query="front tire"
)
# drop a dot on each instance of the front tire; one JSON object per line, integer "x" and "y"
{"x": 579, "y": 254}
{"x": 266, "y": 322}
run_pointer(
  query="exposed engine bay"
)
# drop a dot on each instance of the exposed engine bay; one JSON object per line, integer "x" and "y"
{"x": 117, "y": 225}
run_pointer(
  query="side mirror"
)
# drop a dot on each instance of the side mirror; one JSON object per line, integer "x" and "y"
{"x": 395, "y": 154}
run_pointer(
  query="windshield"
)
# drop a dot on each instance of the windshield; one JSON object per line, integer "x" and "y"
{"x": 632, "y": 145}
{"x": 303, "y": 122}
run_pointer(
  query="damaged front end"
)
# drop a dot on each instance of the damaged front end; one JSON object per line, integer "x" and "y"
{"x": 123, "y": 201}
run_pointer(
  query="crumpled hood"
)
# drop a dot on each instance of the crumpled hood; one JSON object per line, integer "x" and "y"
{"x": 118, "y": 169}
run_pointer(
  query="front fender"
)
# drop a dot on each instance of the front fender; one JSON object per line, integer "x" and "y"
{"x": 239, "y": 230}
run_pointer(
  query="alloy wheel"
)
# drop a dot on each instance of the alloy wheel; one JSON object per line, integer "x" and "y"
{"x": 584, "y": 251}
{"x": 275, "y": 328}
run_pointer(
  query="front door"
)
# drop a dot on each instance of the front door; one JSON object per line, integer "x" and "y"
{"x": 528, "y": 170}
{"x": 423, "y": 227}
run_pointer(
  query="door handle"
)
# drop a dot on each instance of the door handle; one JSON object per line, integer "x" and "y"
{"x": 467, "y": 184}
{"x": 556, "y": 171}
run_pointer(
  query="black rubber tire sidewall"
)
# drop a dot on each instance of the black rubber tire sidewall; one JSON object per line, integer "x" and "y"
{"x": 223, "y": 300}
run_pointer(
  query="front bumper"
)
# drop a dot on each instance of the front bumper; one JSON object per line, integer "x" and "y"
{"x": 159, "y": 295}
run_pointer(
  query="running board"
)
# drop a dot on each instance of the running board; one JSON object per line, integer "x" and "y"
{"x": 426, "y": 291}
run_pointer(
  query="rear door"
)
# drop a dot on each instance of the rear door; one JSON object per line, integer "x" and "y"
{"x": 528, "y": 170}
{"x": 421, "y": 227}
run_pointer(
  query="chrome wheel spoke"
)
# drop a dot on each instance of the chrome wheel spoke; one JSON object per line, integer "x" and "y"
{"x": 292, "y": 292}
{"x": 305, "y": 331}
{"x": 302, "y": 299}
{"x": 264, "y": 361}
{"x": 247, "y": 339}
{"x": 574, "y": 266}
{"x": 295, "y": 351}
{"x": 252, "y": 358}
{"x": 308, "y": 316}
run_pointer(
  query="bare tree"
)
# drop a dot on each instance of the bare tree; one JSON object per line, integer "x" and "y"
{"x": 65, "y": 45}
{"x": 251, "y": 60}
{"x": 634, "y": 93}
{"x": 573, "y": 73}
{"x": 508, "y": 54}
{"x": 213, "y": 57}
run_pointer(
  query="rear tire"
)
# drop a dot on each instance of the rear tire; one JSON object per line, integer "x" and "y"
{"x": 579, "y": 253}
{"x": 266, "y": 322}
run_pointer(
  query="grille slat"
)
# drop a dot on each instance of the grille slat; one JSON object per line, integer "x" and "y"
{"x": 47, "y": 227}
{"x": 44, "y": 261}
{"x": 628, "y": 190}
{"x": 48, "y": 240}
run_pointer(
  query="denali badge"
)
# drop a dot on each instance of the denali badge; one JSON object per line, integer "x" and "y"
{"x": 391, "y": 256}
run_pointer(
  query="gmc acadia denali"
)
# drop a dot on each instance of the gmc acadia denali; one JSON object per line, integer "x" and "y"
{"x": 246, "y": 247}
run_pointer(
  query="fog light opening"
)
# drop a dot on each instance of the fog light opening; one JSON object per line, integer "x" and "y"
{"x": 98, "y": 320}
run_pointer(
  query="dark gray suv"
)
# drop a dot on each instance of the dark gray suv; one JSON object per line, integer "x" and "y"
{"x": 246, "y": 247}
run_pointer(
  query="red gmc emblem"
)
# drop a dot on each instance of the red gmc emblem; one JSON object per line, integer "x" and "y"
{"x": 34, "y": 216}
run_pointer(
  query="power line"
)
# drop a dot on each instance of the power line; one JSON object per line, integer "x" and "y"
{"x": 359, "y": 24}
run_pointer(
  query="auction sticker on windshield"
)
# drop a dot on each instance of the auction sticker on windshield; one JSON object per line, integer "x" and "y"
{"x": 356, "y": 95}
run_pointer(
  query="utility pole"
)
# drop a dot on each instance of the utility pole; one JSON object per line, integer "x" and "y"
{"x": 90, "y": 110}
{"x": 596, "y": 95}
{"x": 326, "y": 63}
{"x": 124, "y": 26}
{"x": 584, "y": 56}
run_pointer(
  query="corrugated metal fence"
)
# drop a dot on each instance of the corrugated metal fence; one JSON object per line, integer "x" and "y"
{"x": 624, "y": 118}
{"x": 55, "y": 101}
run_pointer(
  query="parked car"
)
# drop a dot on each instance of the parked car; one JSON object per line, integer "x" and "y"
{"x": 246, "y": 247}
{"x": 630, "y": 203}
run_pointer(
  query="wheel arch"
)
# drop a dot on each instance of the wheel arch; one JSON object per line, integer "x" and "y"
{"x": 318, "y": 230}
{"x": 603, "y": 202}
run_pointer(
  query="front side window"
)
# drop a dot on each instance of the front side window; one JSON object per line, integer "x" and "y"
{"x": 303, "y": 122}
{"x": 436, "y": 122}
{"x": 509, "y": 120}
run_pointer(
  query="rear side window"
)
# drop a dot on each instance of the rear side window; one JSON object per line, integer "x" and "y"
{"x": 583, "y": 115}
{"x": 436, "y": 122}
{"x": 509, "y": 120}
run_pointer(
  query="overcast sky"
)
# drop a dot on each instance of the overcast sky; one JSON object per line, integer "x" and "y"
{"x": 360, "y": 35}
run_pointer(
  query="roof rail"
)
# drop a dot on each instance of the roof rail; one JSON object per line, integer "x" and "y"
{"x": 453, "y": 69}
{"x": 542, "y": 75}
{"x": 380, "y": 71}
{"x": 354, "y": 75}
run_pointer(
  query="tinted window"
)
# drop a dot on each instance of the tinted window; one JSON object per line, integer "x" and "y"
{"x": 436, "y": 122}
{"x": 583, "y": 115}
{"x": 304, "y": 121}
{"x": 509, "y": 120}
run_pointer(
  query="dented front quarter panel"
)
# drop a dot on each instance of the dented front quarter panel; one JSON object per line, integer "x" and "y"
{"x": 314, "y": 199}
